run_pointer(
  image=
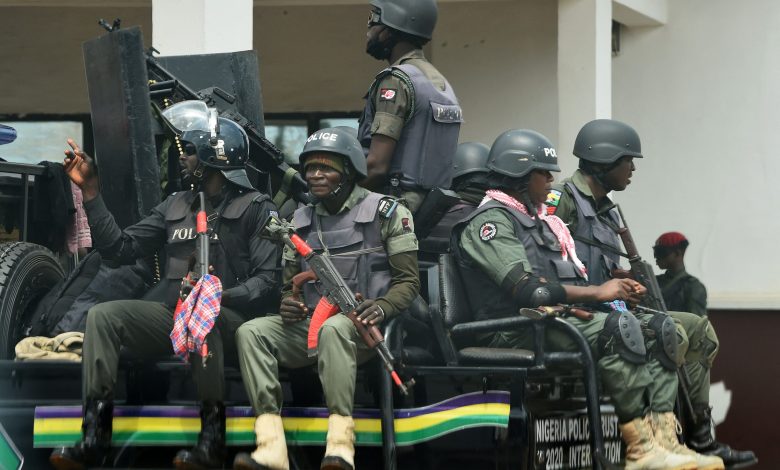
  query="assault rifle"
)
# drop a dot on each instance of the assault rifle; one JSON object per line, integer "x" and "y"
{"x": 336, "y": 297}
{"x": 269, "y": 158}
{"x": 641, "y": 269}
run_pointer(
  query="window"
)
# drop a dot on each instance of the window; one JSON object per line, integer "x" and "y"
{"x": 43, "y": 138}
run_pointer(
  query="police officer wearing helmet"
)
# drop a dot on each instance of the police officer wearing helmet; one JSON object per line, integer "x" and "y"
{"x": 607, "y": 149}
{"x": 370, "y": 238}
{"x": 214, "y": 153}
{"x": 512, "y": 255}
{"x": 469, "y": 181}
{"x": 411, "y": 121}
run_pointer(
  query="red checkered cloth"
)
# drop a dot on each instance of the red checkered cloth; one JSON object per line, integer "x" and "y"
{"x": 194, "y": 318}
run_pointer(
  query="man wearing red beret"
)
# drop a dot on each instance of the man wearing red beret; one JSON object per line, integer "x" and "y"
{"x": 682, "y": 292}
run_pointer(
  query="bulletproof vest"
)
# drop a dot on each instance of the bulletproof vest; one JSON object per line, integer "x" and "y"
{"x": 423, "y": 156}
{"x": 596, "y": 242}
{"x": 543, "y": 250}
{"x": 353, "y": 241}
{"x": 228, "y": 248}
{"x": 438, "y": 241}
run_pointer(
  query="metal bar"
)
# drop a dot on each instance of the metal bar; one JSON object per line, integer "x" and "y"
{"x": 24, "y": 205}
{"x": 388, "y": 422}
{"x": 21, "y": 168}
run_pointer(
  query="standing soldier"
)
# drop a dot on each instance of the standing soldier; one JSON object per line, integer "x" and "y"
{"x": 512, "y": 255}
{"x": 411, "y": 121}
{"x": 370, "y": 238}
{"x": 680, "y": 290}
{"x": 245, "y": 264}
{"x": 606, "y": 149}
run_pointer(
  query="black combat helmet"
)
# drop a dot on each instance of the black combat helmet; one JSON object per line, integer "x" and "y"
{"x": 470, "y": 158}
{"x": 340, "y": 141}
{"x": 218, "y": 142}
{"x": 604, "y": 141}
{"x": 415, "y": 17}
{"x": 517, "y": 152}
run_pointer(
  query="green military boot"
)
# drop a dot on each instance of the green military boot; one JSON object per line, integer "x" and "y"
{"x": 644, "y": 453}
{"x": 667, "y": 428}
{"x": 271, "y": 452}
{"x": 340, "y": 448}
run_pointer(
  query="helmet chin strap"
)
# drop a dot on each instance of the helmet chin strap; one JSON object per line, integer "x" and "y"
{"x": 194, "y": 178}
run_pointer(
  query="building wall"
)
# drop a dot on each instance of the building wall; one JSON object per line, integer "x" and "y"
{"x": 41, "y": 62}
{"x": 702, "y": 92}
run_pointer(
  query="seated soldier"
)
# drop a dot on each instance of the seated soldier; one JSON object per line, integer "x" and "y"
{"x": 468, "y": 181}
{"x": 607, "y": 149}
{"x": 370, "y": 238}
{"x": 680, "y": 290}
{"x": 245, "y": 264}
{"x": 512, "y": 255}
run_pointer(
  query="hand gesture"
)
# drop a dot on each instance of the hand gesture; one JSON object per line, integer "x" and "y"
{"x": 369, "y": 312}
{"x": 80, "y": 168}
{"x": 292, "y": 310}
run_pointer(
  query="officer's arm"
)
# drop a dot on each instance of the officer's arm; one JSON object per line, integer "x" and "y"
{"x": 124, "y": 247}
{"x": 263, "y": 279}
{"x": 391, "y": 100}
{"x": 490, "y": 244}
{"x": 401, "y": 245}
{"x": 380, "y": 154}
{"x": 292, "y": 266}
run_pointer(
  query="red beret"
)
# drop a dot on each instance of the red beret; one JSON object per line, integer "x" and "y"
{"x": 671, "y": 239}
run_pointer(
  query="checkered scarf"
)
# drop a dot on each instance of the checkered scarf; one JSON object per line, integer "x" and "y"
{"x": 194, "y": 317}
{"x": 557, "y": 226}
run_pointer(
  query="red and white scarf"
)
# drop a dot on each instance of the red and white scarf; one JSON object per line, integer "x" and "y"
{"x": 557, "y": 226}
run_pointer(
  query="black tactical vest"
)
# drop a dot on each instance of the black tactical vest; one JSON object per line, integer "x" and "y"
{"x": 543, "y": 250}
{"x": 228, "y": 250}
{"x": 596, "y": 241}
{"x": 423, "y": 156}
{"x": 354, "y": 243}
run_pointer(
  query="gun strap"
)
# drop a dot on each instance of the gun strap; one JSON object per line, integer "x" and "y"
{"x": 284, "y": 190}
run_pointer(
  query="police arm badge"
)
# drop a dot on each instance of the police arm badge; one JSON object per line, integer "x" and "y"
{"x": 487, "y": 231}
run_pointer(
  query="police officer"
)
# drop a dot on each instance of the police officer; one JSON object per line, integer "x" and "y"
{"x": 213, "y": 162}
{"x": 681, "y": 291}
{"x": 512, "y": 255}
{"x": 411, "y": 121}
{"x": 607, "y": 149}
{"x": 469, "y": 181}
{"x": 371, "y": 240}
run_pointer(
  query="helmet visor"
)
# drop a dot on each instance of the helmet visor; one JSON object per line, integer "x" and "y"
{"x": 186, "y": 116}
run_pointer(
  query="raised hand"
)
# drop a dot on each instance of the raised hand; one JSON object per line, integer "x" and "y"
{"x": 80, "y": 168}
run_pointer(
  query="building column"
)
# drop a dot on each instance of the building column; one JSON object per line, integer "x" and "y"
{"x": 584, "y": 69}
{"x": 182, "y": 27}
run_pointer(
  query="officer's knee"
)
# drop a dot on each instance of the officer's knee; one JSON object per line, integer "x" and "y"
{"x": 249, "y": 333}
{"x": 97, "y": 317}
{"x": 337, "y": 326}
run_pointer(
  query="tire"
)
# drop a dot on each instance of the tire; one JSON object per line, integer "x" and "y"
{"x": 27, "y": 273}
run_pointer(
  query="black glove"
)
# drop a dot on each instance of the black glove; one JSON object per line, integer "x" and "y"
{"x": 369, "y": 312}
{"x": 292, "y": 310}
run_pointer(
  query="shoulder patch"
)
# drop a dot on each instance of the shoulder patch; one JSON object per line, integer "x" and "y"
{"x": 387, "y": 94}
{"x": 487, "y": 231}
{"x": 386, "y": 207}
{"x": 553, "y": 199}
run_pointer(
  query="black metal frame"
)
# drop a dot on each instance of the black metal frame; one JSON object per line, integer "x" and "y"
{"x": 539, "y": 365}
